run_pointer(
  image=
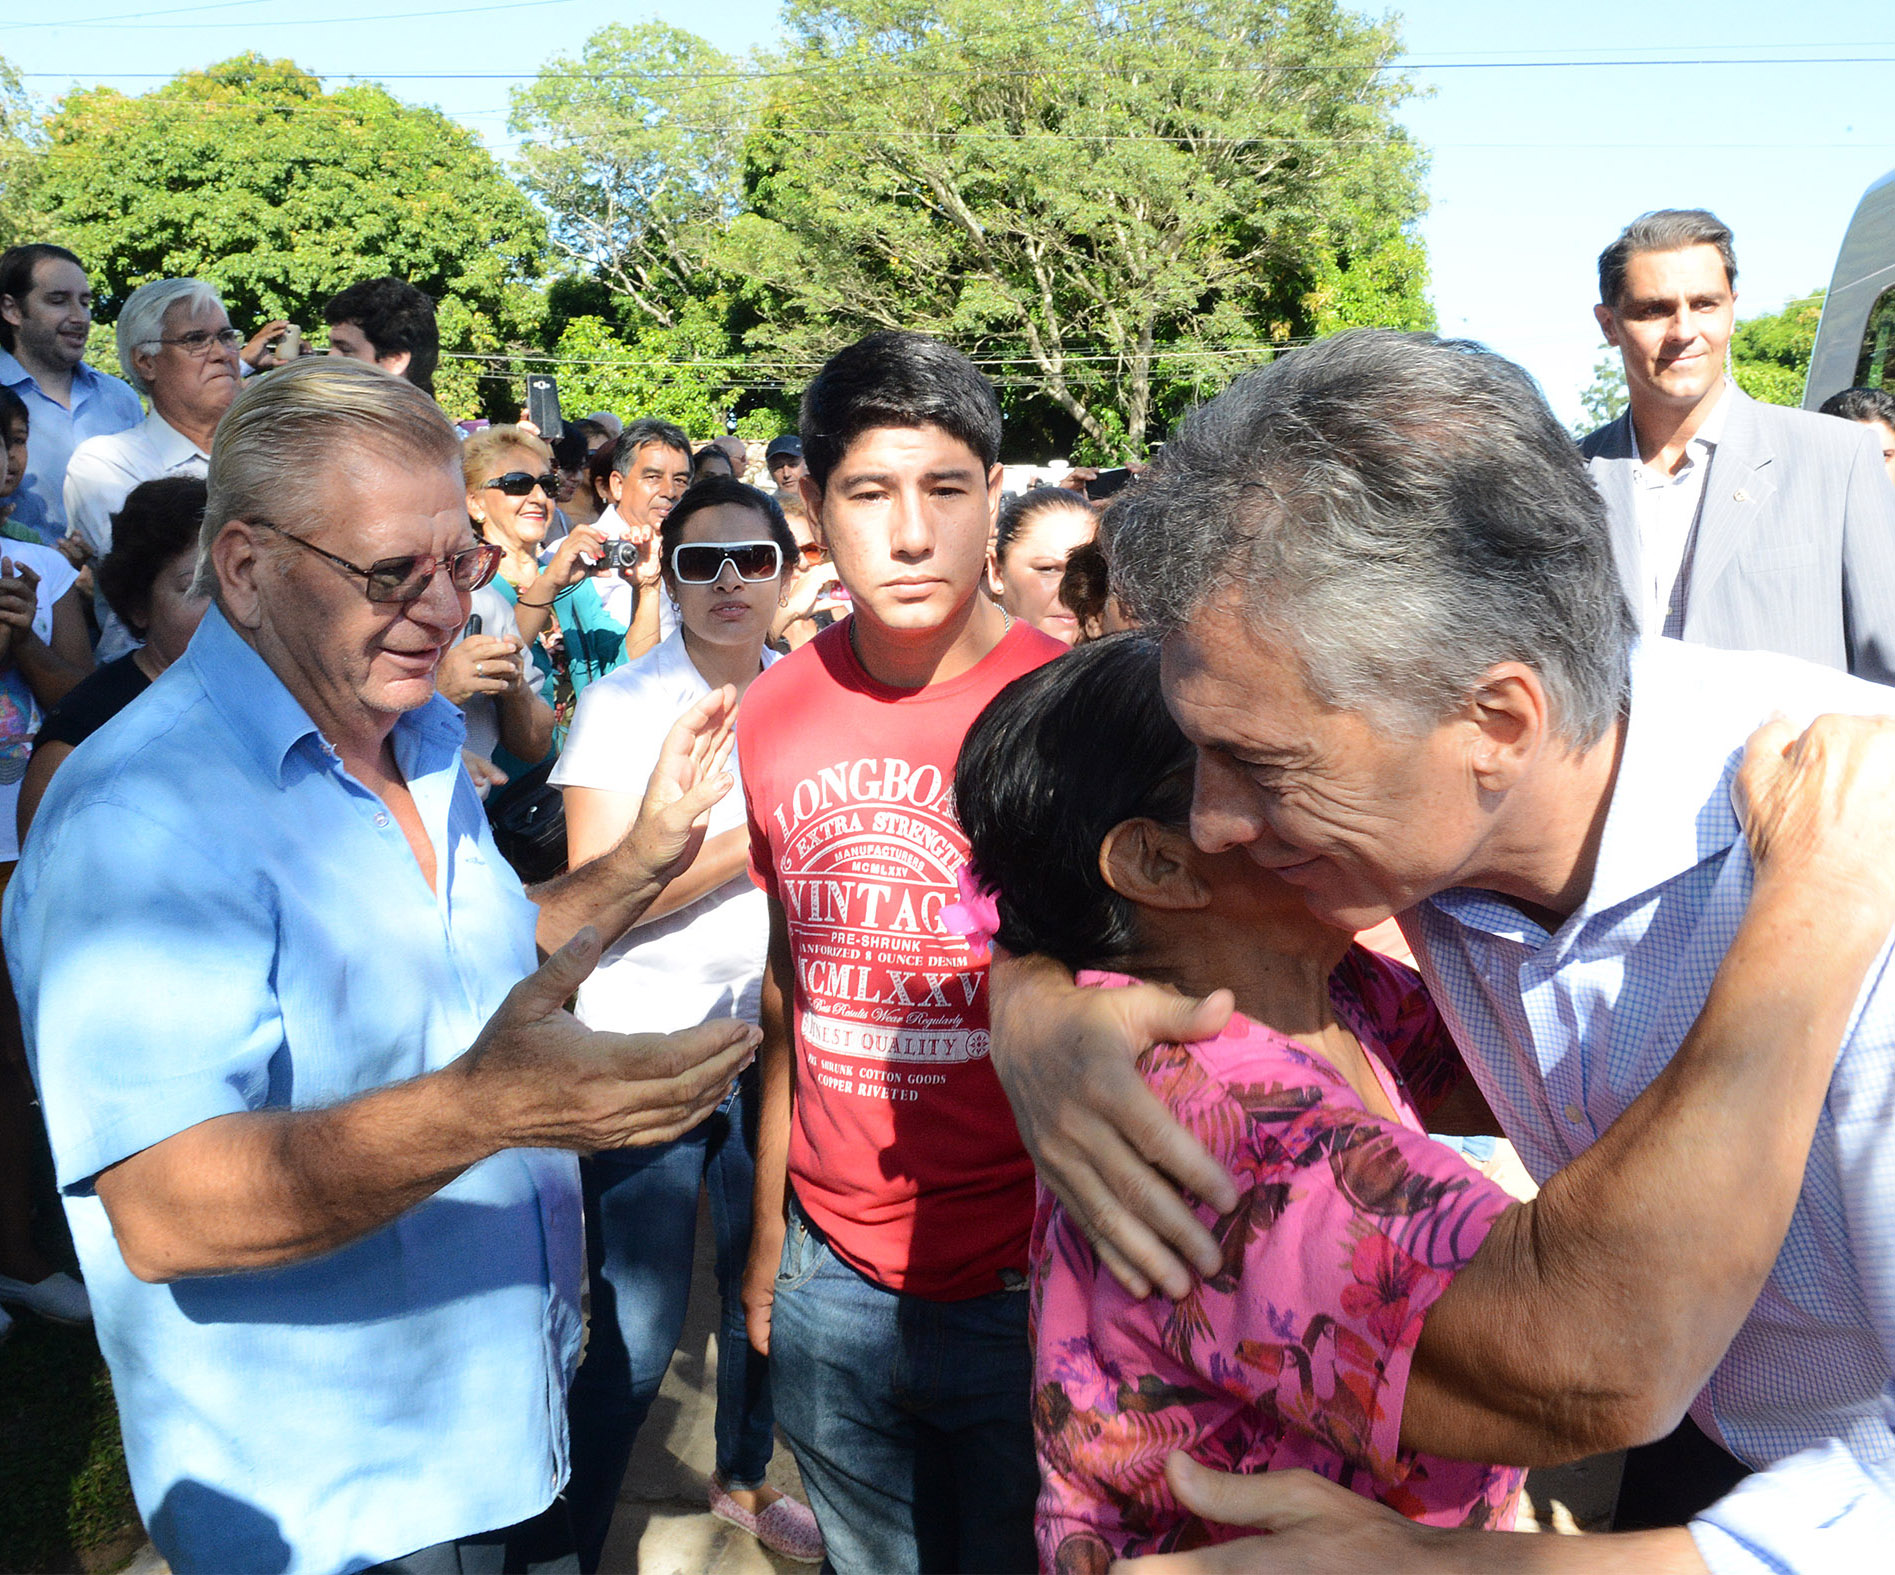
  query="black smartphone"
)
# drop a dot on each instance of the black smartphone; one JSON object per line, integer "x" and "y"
{"x": 542, "y": 405}
{"x": 473, "y": 627}
{"x": 1108, "y": 482}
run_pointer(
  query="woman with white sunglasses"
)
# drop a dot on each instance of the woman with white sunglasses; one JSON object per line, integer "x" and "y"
{"x": 697, "y": 954}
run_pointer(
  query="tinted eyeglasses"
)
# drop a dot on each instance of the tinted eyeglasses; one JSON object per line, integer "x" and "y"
{"x": 517, "y": 483}
{"x": 701, "y": 562}
{"x": 407, "y": 579}
{"x": 811, "y": 552}
{"x": 200, "y": 341}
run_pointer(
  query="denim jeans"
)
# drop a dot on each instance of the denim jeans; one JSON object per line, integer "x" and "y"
{"x": 641, "y": 1238}
{"x": 911, "y": 1419}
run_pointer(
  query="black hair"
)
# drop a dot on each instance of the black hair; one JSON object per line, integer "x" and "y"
{"x": 1861, "y": 404}
{"x": 713, "y": 490}
{"x": 573, "y": 447}
{"x": 393, "y": 316}
{"x": 1020, "y": 509}
{"x": 17, "y": 265}
{"x": 708, "y": 452}
{"x": 1059, "y": 758}
{"x": 1087, "y": 583}
{"x": 1664, "y": 230}
{"x": 13, "y": 408}
{"x": 157, "y": 521}
{"x": 642, "y": 432}
{"x": 896, "y": 379}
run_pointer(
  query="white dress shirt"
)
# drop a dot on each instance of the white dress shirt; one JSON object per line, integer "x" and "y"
{"x": 1666, "y": 507}
{"x": 102, "y": 471}
{"x": 1563, "y": 1031}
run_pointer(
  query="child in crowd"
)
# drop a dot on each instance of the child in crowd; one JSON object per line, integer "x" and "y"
{"x": 1075, "y": 790}
{"x": 892, "y": 1295}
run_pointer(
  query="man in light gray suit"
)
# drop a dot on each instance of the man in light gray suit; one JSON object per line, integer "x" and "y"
{"x": 1735, "y": 523}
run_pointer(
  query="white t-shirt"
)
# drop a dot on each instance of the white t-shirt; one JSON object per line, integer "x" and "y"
{"x": 56, "y": 576}
{"x": 705, "y": 960}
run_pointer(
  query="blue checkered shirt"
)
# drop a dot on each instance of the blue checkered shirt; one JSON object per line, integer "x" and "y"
{"x": 1563, "y": 1031}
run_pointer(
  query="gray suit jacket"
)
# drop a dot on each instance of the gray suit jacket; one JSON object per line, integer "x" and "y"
{"x": 1795, "y": 544}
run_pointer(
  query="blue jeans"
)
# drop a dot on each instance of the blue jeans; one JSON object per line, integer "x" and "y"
{"x": 641, "y": 1238}
{"x": 911, "y": 1419}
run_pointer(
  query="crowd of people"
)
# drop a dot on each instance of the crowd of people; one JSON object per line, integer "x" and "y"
{"x": 1071, "y": 942}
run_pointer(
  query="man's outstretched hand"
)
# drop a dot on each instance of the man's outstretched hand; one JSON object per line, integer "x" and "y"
{"x": 1099, "y": 1137}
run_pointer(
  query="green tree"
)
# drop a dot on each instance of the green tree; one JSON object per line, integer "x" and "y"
{"x": 18, "y": 137}
{"x": 1117, "y": 205}
{"x": 1769, "y": 354}
{"x": 636, "y": 151}
{"x": 250, "y": 176}
{"x": 682, "y": 373}
{"x": 1604, "y": 397}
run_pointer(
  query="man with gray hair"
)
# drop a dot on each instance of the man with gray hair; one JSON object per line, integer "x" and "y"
{"x": 177, "y": 348}
{"x": 1736, "y": 523}
{"x": 313, "y": 1107}
{"x": 1392, "y": 627}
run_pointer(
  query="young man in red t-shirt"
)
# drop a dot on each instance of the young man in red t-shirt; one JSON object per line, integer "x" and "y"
{"x": 888, "y": 1267}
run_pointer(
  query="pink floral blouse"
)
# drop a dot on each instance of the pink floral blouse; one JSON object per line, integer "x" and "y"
{"x": 1297, "y": 1353}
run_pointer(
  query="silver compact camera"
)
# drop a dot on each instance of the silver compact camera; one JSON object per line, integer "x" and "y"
{"x": 619, "y": 554}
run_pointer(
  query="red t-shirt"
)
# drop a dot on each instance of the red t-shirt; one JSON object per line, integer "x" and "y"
{"x": 903, "y": 1150}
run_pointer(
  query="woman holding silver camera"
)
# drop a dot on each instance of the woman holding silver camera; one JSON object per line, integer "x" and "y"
{"x": 697, "y": 954}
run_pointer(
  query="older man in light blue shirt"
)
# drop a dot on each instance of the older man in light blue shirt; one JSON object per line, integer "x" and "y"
{"x": 45, "y": 312}
{"x": 307, "y": 1095}
{"x": 1393, "y": 628}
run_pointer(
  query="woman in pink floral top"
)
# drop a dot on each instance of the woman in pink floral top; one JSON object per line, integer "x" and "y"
{"x": 1074, "y": 788}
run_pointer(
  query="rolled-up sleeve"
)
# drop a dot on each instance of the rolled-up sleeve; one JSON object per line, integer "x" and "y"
{"x": 145, "y": 976}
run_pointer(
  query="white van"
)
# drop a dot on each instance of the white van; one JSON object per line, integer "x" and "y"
{"x": 1855, "y": 341}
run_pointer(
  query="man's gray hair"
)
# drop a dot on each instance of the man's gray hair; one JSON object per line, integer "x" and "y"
{"x": 141, "y": 321}
{"x": 1404, "y": 512}
{"x": 1664, "y": 230}
{"x": 292, "y": 430}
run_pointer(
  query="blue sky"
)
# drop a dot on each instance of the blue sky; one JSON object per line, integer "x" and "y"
{"x": 1545, "y": 136}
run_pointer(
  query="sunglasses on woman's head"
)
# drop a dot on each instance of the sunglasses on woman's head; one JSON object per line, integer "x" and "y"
{"x": 701, "y": 562}
{"x": 517, "y": 483}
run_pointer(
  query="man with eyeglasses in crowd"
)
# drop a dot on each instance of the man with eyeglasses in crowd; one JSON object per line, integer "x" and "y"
{"x": 177, "y": 348}
{"x": 45, "y": 315}
{"x": 311, "y": 1104}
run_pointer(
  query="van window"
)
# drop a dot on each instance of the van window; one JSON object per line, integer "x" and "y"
{"x": 1876, "y": 368}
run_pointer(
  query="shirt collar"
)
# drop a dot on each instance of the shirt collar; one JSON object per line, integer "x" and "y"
{"x": 170, "y": 447}
{"x": 1671, "y": 806}
{"x": 259, "y": 709}
{"x": 12, "y": 374}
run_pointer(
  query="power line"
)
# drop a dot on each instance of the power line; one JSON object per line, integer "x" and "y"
{"x": 306, "y": 21}
{"x": 855, "y": 73}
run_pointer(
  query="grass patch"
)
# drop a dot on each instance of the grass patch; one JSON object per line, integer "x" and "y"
{"x": 65, "y": 1501}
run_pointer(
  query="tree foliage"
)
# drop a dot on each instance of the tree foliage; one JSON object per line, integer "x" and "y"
{"x": 250, "y": 176}
{"x": 1604, "y": 398}
{"x": 683, "y": 373}
{"x": 1123, "y": 203}
{"x": 1770, "y": 353}
{"x": 18, "y": 138}
{"x": 636, "y": 151}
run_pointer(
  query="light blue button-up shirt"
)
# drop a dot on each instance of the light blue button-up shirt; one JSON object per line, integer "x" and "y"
{"x": 1564, "y": 1031}
{"x": 100, "y": 404}
{"x": 212, "y": 916}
